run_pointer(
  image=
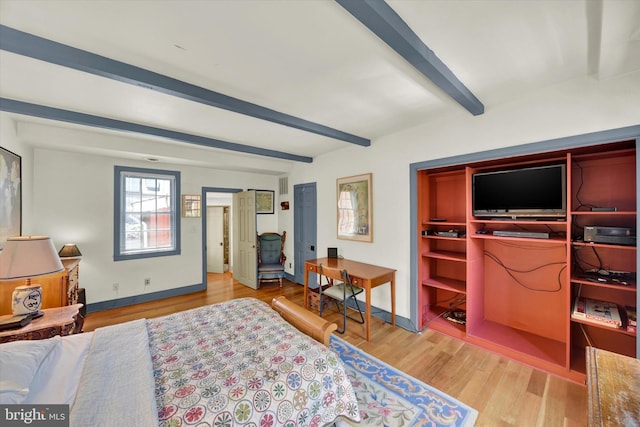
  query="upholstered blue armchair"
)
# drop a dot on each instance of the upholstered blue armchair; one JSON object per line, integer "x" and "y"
{"x": 271, "y": 257}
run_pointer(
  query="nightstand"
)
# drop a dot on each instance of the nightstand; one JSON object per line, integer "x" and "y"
{"x": 56, "y": 321}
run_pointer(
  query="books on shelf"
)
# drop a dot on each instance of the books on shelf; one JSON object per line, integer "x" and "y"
{"x": 601, "y": 313}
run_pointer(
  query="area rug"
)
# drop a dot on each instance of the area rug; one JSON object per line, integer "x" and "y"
{"x": 389, "y": 397}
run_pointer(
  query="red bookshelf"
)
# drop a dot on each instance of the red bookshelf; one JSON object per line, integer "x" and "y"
{"x": 518, "y": 292}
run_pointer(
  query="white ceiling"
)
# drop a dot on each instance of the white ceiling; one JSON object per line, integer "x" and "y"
{"x": 311, "y": 59}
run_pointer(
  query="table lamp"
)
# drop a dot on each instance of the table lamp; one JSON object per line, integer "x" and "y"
{"x": 25, "y": 257}
{"x": 70, "y": 250}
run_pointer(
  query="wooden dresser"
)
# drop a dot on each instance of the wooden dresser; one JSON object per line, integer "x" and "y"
{"x": 58, "y": 290}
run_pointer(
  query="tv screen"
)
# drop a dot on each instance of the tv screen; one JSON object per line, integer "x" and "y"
{"x": 525, "y": 192}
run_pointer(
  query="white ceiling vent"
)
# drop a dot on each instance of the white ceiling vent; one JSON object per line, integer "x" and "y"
{"x": 284, "y": 185}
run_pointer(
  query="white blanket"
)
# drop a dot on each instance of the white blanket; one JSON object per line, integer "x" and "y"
{"x": 126, "y": 373}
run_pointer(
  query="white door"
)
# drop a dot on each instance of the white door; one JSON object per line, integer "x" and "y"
{"x": 245, "y": 262}
{"x": 215, "y": 239}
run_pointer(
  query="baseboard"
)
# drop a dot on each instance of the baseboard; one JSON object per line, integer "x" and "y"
{"x": 379, "y": 313}
{"x": 137, "y": 299}
{"x": 385, "y": 316}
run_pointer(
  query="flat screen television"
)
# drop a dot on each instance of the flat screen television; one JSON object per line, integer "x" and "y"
{"x": 530, "y": 192}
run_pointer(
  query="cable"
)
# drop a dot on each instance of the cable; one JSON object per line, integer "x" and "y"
{"x": 520, "y": 245}
{"x": 580, "y": 263}
{"x": 580, "y": 204}
{"x": 586, "y": 336}
{"x": 512, "y": 271}
{"x": 457, "y": 301}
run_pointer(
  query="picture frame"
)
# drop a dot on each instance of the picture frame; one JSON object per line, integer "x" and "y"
{"x": 10, "y": 195}
{"x": 191, "y": 206}
{"x": 354, "y": 208}
{"x": 264, "y": 202}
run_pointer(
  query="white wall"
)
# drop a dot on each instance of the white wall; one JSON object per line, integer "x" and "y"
{"x": 74, "y": 196}
{"x": 573, "y": 108}
{"x": 73, "y": 193}
{"x": 10, "y": 141}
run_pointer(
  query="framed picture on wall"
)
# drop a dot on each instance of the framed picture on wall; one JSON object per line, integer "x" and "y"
{"x": 10, "y": 195}
{"x": 264, "y": 201}
{"x": 191, "y": 206}
{"x": 354, "y": 207}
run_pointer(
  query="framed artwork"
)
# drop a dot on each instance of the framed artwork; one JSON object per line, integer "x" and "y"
{"x": 191, "y": 206}
{"x": 355, "y": 208}
{"x": 10, "y": 195}
{"x": 264, "y": 201}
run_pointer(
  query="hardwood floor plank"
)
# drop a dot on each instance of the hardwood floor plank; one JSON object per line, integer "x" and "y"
{"x": 504, "y": 392}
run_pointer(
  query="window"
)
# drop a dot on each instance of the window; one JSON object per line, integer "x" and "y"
{"x": 146, "y": 213}
{"x": 347, "y": 213}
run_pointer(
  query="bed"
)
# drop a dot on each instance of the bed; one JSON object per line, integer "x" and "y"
{"x": 237, "y": 362}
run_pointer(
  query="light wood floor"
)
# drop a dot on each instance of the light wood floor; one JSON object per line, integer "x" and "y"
{"x": 505, "y": 393}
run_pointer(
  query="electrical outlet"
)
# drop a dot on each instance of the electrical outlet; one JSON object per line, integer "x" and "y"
{"x": 147, "y": 282}
{"x": 289, "y": 265}
{"x": 116, "y": 287}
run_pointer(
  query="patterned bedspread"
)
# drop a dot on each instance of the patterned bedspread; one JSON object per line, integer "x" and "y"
{"x": 239, "y": 362}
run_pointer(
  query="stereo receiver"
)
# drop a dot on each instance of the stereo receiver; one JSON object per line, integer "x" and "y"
{"x": 611, "y": 235}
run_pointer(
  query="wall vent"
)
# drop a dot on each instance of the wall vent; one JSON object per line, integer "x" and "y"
{"x": 284, "y": 185}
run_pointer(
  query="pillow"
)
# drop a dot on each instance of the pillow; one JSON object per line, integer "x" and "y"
{"x": 57, "y": 379}
{"x": 19, "y": 361}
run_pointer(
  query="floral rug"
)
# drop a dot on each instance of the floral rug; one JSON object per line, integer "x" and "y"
{"x": 389, "y": 397}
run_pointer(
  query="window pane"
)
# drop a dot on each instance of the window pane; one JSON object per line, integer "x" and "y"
{"x": 148, "y": 213}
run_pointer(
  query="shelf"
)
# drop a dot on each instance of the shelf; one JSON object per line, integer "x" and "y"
{"x": 605, "y": 245}
{"x": 519, "y": 221}
{"x": 436, "y": 322}
{"x": 457, "y": 239}
{"x": 624, "y": 288}
{"x": 447, "y": 255}
{"x": 604, "y": 328}
{"x": 517, "y": 341}
{"x": 456, "y": 223}
{"x": 616, "y": 213}
{"x": 446, "y": 284}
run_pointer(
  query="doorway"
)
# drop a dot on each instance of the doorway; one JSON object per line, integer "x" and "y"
{"x": 305, "y": 227}
{"x": 218, "y": 238}
{"x": 217, "y": 229}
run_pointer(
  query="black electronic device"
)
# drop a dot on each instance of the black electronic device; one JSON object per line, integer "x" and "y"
{"x": 604, "y": 209}
{"x": 15, "y": 322}
{"x": 526, "y": 234}
{"x": 532, "y": 192}
{"x": 449, "y": 233}
{"x": 611, "y": 235}
{"x": 332, "y": 252}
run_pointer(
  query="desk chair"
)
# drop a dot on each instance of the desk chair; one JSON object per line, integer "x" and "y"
{"x": 271, "y": 257}
{"x": 341, "y": 293}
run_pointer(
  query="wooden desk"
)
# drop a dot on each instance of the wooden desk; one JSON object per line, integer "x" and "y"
{"x": 56, "y": 321}
{"x": 366, "y": 276}
{"x": 613, "y": 382}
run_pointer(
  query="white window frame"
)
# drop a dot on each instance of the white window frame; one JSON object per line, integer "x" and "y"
{"x": 120, "y": 253}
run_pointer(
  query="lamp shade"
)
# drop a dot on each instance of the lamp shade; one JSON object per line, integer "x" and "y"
{"x": 25, "y": 257}
{"x": 70, "y": 250}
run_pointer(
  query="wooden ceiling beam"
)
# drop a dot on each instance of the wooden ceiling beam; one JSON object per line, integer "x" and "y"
{"x": 57, "y": 114}
{"x": 384, "y": 22}
{"x": 32, "y": 46}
